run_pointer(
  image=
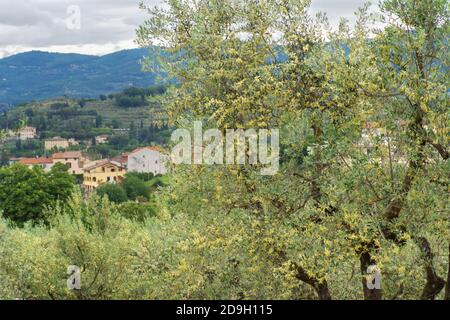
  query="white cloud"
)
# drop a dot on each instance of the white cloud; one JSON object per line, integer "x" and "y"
{"x": 337, "y": 9}
{"x": 106, "y": 25}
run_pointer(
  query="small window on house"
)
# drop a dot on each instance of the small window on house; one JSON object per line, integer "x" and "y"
{"x": 108, "y": 179}
{"x": 94, "y": 179}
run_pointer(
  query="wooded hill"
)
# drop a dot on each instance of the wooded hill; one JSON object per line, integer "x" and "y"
{"x": 86, "y": 118}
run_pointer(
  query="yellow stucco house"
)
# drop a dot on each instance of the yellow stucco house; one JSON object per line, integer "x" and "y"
{"x": 102, "y": 171}
{"x": 59, "y": 143}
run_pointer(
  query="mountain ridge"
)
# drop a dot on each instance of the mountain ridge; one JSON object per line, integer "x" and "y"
{"x": 40, "y": 75}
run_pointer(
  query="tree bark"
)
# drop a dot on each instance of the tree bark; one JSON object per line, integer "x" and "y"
{"x": 434, "y": 283}
{"x": 365, "y": 262}
{"x": 321, "y": 287}
{"x": 447, "y": 286}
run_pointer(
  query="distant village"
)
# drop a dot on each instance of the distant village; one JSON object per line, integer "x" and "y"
{"x": 149, "y": 159}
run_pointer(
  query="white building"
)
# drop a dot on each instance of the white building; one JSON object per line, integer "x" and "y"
{"x": 146, "y": 160}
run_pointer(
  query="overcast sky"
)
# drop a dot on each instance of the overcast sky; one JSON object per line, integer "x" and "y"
{"x": 106, "y": 25}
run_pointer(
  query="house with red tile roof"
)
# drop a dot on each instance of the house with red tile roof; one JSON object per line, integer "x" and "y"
{"x": 44, "y": 163}
{"x": 73, "y": 159}
{"x": 122, "y": 159}
{"x": 103, "y": 171}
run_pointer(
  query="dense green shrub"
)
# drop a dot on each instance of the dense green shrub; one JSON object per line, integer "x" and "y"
{"x": 25, "y": 193}
{"x": 115, "y": 192}
{"x": 135, "y": 187}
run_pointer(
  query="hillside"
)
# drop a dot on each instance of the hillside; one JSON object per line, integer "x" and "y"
{"x": 73, "y": 118}
{"x": 136, "y": 110}
{"x": 40, "y": 75}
